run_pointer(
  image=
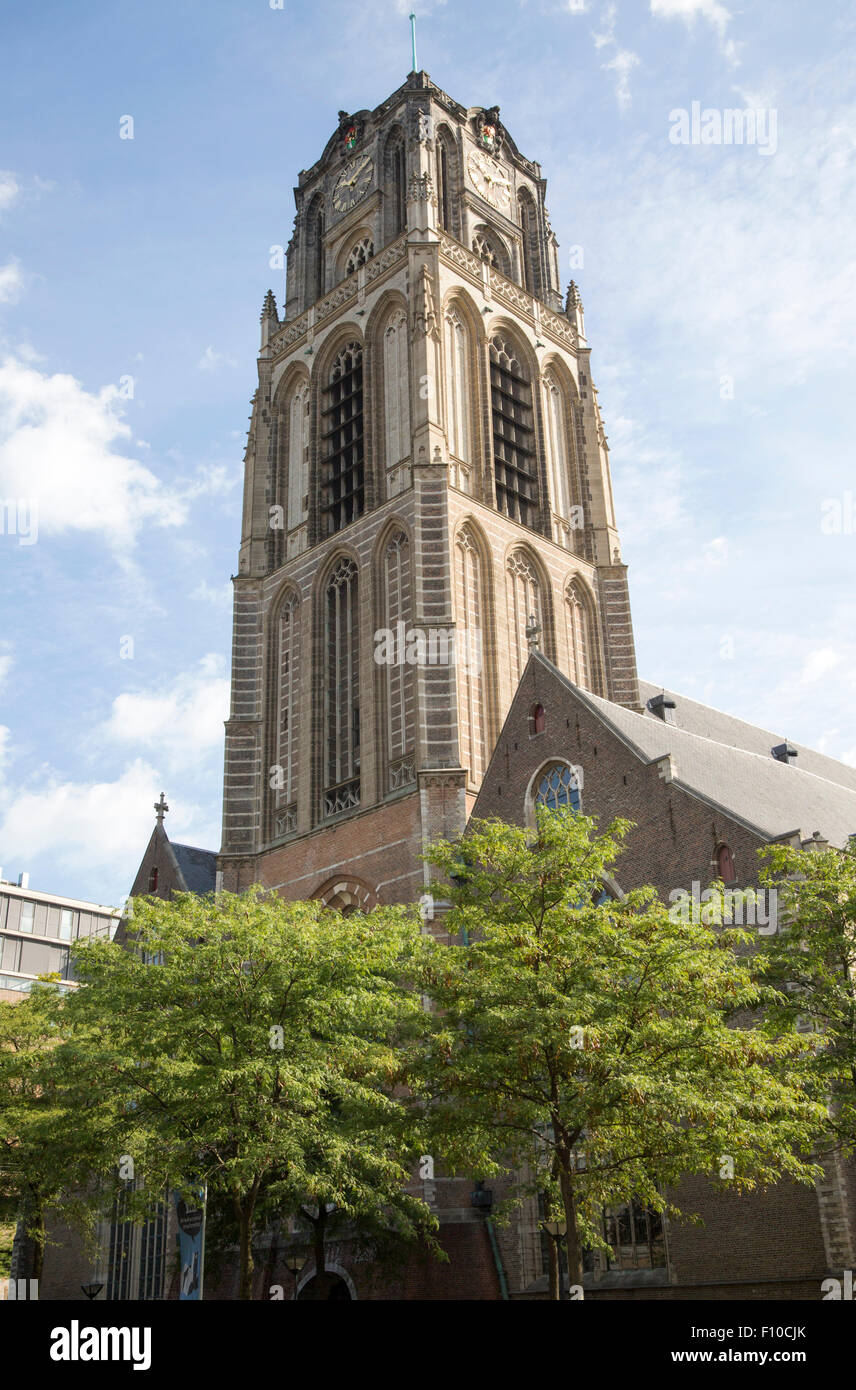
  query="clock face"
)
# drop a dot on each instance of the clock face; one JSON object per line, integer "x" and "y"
{"x": 353, "y": 183}
{"x": 489, "y": 179}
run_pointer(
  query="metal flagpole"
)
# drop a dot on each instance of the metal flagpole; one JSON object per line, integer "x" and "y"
{"x": 413, "y": 39}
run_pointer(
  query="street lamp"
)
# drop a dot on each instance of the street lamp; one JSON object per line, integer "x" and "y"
{"x": 295, "y": 1263}
{"x": 92, "y": 1290}
{"x": 556, "y": 1230}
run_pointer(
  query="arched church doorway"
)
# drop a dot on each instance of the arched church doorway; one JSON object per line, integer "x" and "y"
{"x": 326, "y": 1288}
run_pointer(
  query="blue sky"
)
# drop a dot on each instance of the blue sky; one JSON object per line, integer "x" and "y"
{"x": 718, "y": 285}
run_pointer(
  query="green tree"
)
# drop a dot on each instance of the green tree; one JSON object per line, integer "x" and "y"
{"x": 256, "y": 1045}
{"x": 593, "y": 1039}
{"x": 811, "y": 961}
{"x": 54, "y": 1133}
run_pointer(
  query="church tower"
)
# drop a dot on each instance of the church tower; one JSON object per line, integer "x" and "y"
{"x": 427, "y": 495}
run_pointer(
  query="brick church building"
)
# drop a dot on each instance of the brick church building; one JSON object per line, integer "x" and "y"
{"x": 426, "y": 456}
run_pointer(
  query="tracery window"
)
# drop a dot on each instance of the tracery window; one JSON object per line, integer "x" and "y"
{"x": 342, "y": 475}
{"x": 457, "y": 386}
{"x": 484, "y": 250}
{"x": 286, "y": 750}
{"x": 556, "y": 430}
{"x": 523, "y": 593}
{"x": 513, "y": 434}
{"x": 400, "y": 676}
{"x": 469, "y": 622}
{"x": 298, "y": 457}
{"x": 341, "y": 690}
{"x": 558, "y": 786}
{"x": 359, "y": 254}
{"x": 396, "y": 386}
{"x": 579, "y": 637}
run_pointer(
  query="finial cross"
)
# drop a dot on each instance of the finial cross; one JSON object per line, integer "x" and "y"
{"x": 161, "y": 808}
{"x": 533, "y": 632}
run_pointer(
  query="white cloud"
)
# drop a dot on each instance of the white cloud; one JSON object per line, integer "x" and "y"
{"x": 218, "y": 595}
{"x": 607, "y": 34}
{"x": 96, "y": 821}
{"x": 622, "y": 65}
{"x": 716, "y": 551}
{"x": 691, "y": 10}
{"x": 819, "y": 663}
{"x": 11, "y": 281}
{"x": 9, "y": 189}
{"x": 58, "y": 448}
{"x": 726, "y": 248}
{"x": 177, "y": 724}
{"x": 211, "y": 360}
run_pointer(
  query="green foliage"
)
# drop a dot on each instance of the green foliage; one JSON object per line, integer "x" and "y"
{"x": 811, "y": 961}
{"x": 50, "y": 1141}
{"x": 260, "y": 1055}
{"x": 595, "y": 1040}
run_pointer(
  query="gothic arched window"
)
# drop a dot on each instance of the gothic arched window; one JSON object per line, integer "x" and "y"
{"x": 360, "y": 252}
{"x": 558, "y": 786}
{"x": 399, "y": 674}
{"x": 523, "y": 593}
{"x": 341, "y": 775}
{"x": 537, "y": 720}
{"x": 579, "y": 636}
{"x": 298, "y": 456}
{"x": 315, "y": 277}
{"x": 395, "y": 191}
{"x": 725, "y": 864}
{"x": 396, "y": 389}
{"x": 446, "y": 182}
{"x": 485, "y": 249}
{"x": 513, "y": 434}
{"x": 457, "y": 386}
{"x": 469, "y": 629}
{"x": 556, "y": 431}
{"x": 342, "y": 479}
{"x": 286, "y": 748}
{"x": 529, "y": 241}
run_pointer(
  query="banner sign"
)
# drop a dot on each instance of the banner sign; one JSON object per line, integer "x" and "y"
{"x": 191, "y": 1244}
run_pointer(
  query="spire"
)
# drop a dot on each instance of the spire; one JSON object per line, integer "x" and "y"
{"x": 269, "y": 318}
{"x": 413, "y": 40}
{"x": 574, "y": 311}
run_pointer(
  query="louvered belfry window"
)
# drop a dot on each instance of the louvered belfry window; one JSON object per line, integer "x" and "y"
{"x": 342, "y": 486}
{"x": 513, "y": 435}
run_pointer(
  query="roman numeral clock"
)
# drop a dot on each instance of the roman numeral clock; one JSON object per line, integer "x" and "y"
{"x": 353, "y": 184}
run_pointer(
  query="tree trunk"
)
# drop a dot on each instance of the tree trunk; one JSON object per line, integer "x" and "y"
{"x": 318, "y": 1240}
{"x": 572, "y": 1239}
{"x": 37, "y": 1227}
{"x": 553, "y": 1262}
{"x": 245, "y": 1260}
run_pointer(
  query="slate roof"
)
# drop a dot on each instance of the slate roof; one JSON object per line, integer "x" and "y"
{"x": 198, "y": 867}
{"x": 728, "y": 762}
